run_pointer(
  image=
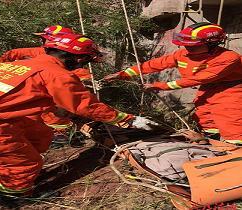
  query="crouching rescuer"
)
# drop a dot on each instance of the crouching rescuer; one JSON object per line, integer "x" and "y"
{"x": 30, "y": 87}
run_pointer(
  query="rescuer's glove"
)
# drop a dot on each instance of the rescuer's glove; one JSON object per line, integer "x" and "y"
{"x": 142, "y": 123}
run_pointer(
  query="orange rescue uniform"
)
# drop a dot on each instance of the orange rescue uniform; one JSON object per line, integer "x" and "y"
{"x": 49, "y": 118}
{"x": 219, "y": 98}
{"x": 27, "y": 89}
{"x": 21, "y": 54}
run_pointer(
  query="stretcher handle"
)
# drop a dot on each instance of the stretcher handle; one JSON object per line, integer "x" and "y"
{"x": 218, "y": 163}
{"x": 228, "y": 189}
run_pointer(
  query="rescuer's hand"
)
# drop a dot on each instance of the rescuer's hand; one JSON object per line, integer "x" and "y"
{"x": 112, "y": 77}
{"x": 193, "y": 136}
{"x": 156, "y": 86}
{"x": 142, "y": 123}
{"x": 150, "y": 87}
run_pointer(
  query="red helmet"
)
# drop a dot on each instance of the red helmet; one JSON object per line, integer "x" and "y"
{"x": 199, "y": 34}
{"x": 51, "y": 32}
{"x": 75, "y": 44}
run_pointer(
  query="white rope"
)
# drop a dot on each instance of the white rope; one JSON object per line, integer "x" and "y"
{"x": 132, "y": 40}
{"x": 83, "y": 32}
{"x": 138, "y": 64}
{"x": 135, "y": 51}
{"x": 95, "y": 90}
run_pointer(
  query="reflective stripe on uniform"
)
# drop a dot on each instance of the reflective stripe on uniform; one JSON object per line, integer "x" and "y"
{"x": 196, "y": 31}
{"x": 212, "y": 130}
{"x": 173, "y": 85}
{"x": 7, "y": 190}
{"x": 59, "y": 126}
{"x": 130, "y": 72}
{"x": 181, "y": 64}
{"x": 234, "y": 141}
{"x": 120, "y": 117}
{"x": 5, "y": 88}
{"x": 203, "y": 66}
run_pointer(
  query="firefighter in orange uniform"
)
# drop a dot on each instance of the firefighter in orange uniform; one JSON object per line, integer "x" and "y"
{"x": 60, "y": 124}
{"x": 202, "y": 62}
{"x": 32, "y": 86}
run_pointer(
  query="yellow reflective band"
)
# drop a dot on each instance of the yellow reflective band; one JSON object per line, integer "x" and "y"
{"x": 203, "y": 66}
{"x": 57, "y": 30}
{"x": 56, "y": 126}
{"x": 120, "y": 117}
{"x": 173, "y": 85}
{"x": 182, "y": 64}
{"x": 212, "y": 130}
{"x": 130, "y": 72}
{"x": 7, "y": 190}
{"x": 5, "y": 88}
{"x": 234, "y": 141}
{"x": 196, "y": 31}
{"x": 83, "y": 39}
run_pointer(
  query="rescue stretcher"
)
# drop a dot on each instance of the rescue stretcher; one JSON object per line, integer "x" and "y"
{"x": 209, "y": 176}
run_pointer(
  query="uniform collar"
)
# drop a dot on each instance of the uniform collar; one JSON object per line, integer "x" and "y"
{"x": 215, "y": 51}
{"x": 51, "y": 59}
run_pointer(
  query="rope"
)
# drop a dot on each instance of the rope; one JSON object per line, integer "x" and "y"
{"x": 161, "y": 188}
{"x": 135, "y": 52}
{"x": 138, "y": 64}
{"x": 173, "y": 111}
{"x": 91, "y": 71}
{"x": 83, "y": 32}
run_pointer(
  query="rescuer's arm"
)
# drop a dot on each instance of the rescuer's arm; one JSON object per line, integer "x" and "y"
{"x": 9, "y": 56}
{"x": 213, "y": 73}
{"x": 148, "y": 67}
{"x": 12, "y": 55}
{"x": 69, "y": 93}
{"x": 21, "y": 54}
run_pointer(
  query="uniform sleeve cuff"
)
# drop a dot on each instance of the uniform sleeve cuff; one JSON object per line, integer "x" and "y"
{"x": 173, "y": 85}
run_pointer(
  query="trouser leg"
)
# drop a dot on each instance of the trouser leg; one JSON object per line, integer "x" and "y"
{"x": 37, "y": 133}
{"x": 20, "y": 162}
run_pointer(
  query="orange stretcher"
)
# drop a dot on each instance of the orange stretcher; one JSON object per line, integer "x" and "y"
{"x": 211, "y": 181}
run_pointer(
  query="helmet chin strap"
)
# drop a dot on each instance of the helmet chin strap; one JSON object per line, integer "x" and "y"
{"x": 73, "y": 63}
{"x": 212, "y": 46}
{"x": 84, "y": 61}
{"x": 197, "y": 50}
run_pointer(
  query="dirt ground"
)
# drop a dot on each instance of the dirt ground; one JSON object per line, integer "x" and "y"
{"x": 85, "y": 181}
{"x": 81, "y": 178}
